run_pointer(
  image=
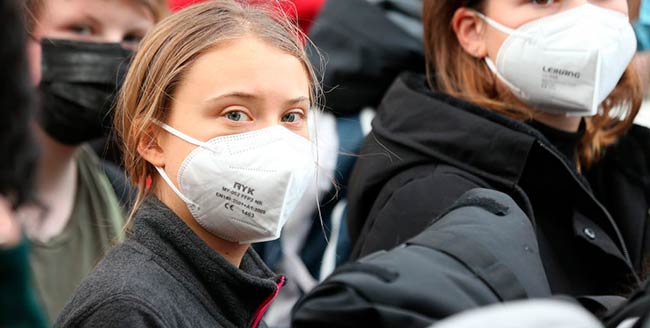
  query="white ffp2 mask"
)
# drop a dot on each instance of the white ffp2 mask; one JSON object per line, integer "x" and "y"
{"x": 567, "y": 63}
{"x": 244, "y": 187}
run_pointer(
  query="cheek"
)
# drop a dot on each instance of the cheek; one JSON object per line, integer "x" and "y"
{"x": 494, "y": 39}
{"x": 622, "y": 7}
{"x": 34, "y": 61}
{"x": 304, "y": 132}
{"x": 175, "y": 153}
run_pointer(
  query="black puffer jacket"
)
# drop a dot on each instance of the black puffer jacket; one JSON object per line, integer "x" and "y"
{"x": 427, "y": 149}
{"x": 483, "y": 251}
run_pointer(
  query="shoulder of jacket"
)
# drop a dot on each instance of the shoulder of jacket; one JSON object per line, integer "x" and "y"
{"x": 118, "y": 309}
{"x": 426, "y": 174}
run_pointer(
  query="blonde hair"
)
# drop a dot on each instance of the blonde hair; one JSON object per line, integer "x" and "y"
{"x": 463, "y": 76}
{"x": 166, "y": 54}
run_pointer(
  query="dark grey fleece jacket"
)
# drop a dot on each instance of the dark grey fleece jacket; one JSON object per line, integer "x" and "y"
{"x": 165, "y": 276}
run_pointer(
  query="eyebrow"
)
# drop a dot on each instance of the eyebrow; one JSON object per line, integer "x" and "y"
{"x": 93, "y": 20}
{"x": 252, "y": 97}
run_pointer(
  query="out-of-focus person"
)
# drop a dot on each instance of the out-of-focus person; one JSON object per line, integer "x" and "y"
{"x": 78, "y": 51}
{"x": 640, "y": 16}
{"x": 18, "y": 305}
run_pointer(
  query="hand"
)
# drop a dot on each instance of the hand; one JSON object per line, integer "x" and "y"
{"x": 10, "y": 234}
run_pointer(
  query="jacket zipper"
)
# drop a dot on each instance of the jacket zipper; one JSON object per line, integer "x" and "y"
{"x": 262, "y": 309}
{"x": 602, "y": 208}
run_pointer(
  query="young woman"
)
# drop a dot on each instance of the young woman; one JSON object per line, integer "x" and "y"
{"x": 522, "y": 97}
{"x": 76, "y": 49}
{"x": 213, "y": 113}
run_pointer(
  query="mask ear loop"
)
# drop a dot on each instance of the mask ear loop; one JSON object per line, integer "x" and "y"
{"x": 489, "y": 62}
{"x": 171, "y": 185}
{"x": 179, "y": 134}
{"x": 162, "y": 172}
{"x": 496, "y": 24}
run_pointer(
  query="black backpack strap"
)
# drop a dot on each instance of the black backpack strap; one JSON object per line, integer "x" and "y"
{"x": 477, "y": 259}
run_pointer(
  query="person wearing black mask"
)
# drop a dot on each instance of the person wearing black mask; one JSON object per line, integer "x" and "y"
{"x": 78, "y": 51}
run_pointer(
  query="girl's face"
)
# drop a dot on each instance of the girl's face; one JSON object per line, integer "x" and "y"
{"x": 240, "y": 86}
{"x": 514, "y": 13}
{"x": 109, "y": 21}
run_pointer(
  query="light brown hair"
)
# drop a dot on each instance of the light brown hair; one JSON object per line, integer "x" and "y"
{"x": 452, "y": 70}
{"x": 167, "y": 53}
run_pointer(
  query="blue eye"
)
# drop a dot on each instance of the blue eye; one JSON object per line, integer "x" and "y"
{"x": 237, "y": 116}
{"x": 292, "y": 117}
{"x": 85, "y": 30}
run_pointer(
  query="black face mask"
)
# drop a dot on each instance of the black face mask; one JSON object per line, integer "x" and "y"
{"x": 78, "y": 88}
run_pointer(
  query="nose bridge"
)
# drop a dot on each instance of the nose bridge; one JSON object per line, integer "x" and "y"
{"x": 270, "y": 112}
{"x": 576, "y": 3}
{"x": 268, "y": 119}
{"x": 113, "y": 35}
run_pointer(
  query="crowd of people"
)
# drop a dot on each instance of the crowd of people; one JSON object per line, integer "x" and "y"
{"x": 325, "y": 163}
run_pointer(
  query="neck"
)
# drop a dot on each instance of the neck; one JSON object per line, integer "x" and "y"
{"x": 56, "y": 160}
{"x": 55, "y": 189}
{"x": 560, "y": 122}
{"x": 231, "y": 251}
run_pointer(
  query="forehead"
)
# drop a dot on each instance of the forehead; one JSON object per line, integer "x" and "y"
{"x": 117, "y": 11}
{"x": 251, "y": 65}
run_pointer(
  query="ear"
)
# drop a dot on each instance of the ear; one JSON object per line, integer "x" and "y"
{"x": 469, "y": 28}
{"x": 149, "y": 146}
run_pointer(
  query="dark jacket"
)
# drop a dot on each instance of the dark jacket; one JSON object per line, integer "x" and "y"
{"x": 165, "y": 276}
{"x": 427, "y": 149}
{"x": 483, "y": 251}
{"x": 365, "y": 45}
{"x": 621, "y": 180}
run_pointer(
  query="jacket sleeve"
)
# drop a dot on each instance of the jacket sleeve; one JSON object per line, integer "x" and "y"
{"x": 119, "y": 311}
{"x": 482, "y": 251}
{"x": 18, "y": 306}
{"x": 406, "y": 206}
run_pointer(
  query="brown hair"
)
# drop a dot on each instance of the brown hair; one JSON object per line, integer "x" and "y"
{"x": 33, "y": 9}
{"x": 167, "y": 53}
{"x": 452, "y": 70}
{"x": 32, "y": 12}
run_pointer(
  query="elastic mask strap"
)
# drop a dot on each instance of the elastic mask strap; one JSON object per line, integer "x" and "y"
{"x": 496, "y": 24}
{"x": 179, "y": 134}
{"x": 169, "y": 182}
{"x": 493, "y": 68}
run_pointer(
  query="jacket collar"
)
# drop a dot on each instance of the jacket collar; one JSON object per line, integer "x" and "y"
{"x": 457, "y": 132}
{"x": 233, "y": 294}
